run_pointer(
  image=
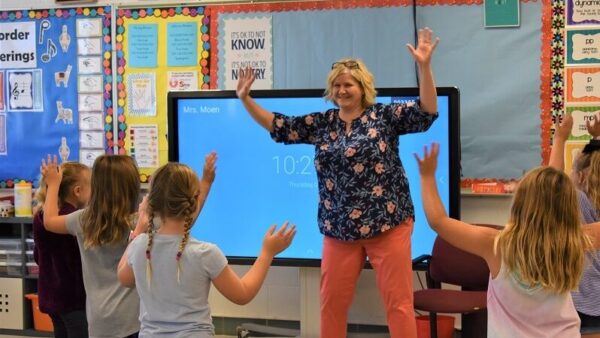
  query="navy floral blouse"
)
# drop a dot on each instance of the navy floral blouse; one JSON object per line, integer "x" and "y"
{"x": 363, "y": 189}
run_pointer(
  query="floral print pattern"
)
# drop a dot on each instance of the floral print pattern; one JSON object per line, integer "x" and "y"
{"x": 363, "y": 189}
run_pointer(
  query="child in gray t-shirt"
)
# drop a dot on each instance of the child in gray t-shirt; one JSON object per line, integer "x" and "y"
{"x": 172, "y": 271}
{"x": 102, "y": 231}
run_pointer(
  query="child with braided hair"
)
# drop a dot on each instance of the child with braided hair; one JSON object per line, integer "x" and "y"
{"x": 173, "y": 271}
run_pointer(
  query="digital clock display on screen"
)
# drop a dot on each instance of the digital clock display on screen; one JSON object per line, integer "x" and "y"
{"x": 260, "y": 182}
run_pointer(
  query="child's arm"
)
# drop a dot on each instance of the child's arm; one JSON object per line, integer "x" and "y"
{"x": 561, "y": 134}
{"x": 52, "y": 174}
{"x": 125, "y": 272}
{"x": 594, "y": 127}
{"x": 473, "y": 239}
{"x": 242, "y": 290}
{"x": 208, "y": 177}
{"x": 143, "y": 220}
{"x": 593, "y": 230}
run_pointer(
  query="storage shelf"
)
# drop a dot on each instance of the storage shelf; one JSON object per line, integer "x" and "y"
{"x": 16, "y": 282}
{"x": 15, "y": 220}
{"x": 26, "y": 332}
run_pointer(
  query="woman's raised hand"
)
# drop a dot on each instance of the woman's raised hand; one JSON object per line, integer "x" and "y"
{"x": 425, "y": 46}
{"x": 245, "y": 80}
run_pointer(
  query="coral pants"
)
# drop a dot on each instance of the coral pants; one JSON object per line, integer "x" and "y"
{"x": 389, "y": 254}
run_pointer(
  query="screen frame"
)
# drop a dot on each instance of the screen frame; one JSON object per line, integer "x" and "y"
{"x": 452, "y": 93}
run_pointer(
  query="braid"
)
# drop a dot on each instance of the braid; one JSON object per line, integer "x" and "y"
{"x": 150, "y": 232}
{"x": 189, "y": 211}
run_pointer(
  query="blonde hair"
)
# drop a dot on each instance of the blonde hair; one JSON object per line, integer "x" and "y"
{"x": 360, "y": 73}
{"x": 71, "y": 176}
{"x": 174, "y": 192}
{"x": 115, "y": 192}
{"x": 592, "y": 180}
{"x": 543, "y": 243}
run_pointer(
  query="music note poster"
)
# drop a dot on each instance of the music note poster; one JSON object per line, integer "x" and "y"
{"x": 25, "y": 90}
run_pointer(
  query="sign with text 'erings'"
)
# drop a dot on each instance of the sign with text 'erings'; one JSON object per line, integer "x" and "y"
{"x": 17, "y": 45}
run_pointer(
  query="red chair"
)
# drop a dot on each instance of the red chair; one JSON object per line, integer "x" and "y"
{"x": 448, "y": 264}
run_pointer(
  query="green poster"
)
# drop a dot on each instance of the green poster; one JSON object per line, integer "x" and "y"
{"x": 501, "y": 13}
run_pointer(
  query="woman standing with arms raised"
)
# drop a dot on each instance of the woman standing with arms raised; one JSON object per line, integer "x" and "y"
{"x": 365, "y": 208}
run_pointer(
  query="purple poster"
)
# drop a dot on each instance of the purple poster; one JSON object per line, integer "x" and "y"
{"x": 583, "y": 12}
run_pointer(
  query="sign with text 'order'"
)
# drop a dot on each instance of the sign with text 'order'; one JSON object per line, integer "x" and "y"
{"x": 17, "y": 45}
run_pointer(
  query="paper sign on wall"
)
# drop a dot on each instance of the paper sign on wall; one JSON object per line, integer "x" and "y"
{"x": 182, "y": 44}
{"x": 17, "y": 45}
{"x": 501, "y": 13}
{"x": 143, "y": 45}
{"x": 247, "y": 42}
{"x": 179, "y": 81}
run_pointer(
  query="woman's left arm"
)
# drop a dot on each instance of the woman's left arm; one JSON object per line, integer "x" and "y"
{"x": 422, "y": 55}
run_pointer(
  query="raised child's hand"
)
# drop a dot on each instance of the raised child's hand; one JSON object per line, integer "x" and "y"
{"x": 51, "y": 171}
{"x": 143, "y": 220}
{"x": 563, "y": 129}
{"x": 277, "y": 241}
{"x": 594, "y": 127}
{"x": 209, "y": 171}
{"x": 428, "y": 164}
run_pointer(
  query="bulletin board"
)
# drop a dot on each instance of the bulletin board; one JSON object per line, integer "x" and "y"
{"x": 575, "y": 69}
{"x": 505, "y": 100}
{"x": 55, "y": 88}
{"x": 158, "y": 50}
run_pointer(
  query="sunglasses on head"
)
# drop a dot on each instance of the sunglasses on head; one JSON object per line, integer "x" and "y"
{"x": 351, "y": 64}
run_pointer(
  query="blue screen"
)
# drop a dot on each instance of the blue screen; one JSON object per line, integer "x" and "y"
{"x": 260, "y": 182}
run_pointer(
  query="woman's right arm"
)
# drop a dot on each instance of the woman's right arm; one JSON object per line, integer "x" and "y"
{"x": 258, "y": 113}
{"x": 242, "y": 290}
{"x": 52, "y": 174}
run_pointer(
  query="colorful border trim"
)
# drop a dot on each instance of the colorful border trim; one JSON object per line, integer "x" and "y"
{"x": 165, "y": 13}
{"x": 93, "y": 12}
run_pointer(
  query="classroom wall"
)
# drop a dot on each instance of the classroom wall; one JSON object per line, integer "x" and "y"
{"x": 497, "y": 70}
{"x": 486, "y": 108}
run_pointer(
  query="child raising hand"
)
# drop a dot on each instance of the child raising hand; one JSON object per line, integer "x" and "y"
{"x": 535, "y": 261}
{"x": 173, "y": 271}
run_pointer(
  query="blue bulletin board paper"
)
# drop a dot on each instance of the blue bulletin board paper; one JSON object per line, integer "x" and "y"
{"x": 143, "y": 45}
{"x": 182, "y": 44}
